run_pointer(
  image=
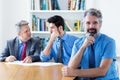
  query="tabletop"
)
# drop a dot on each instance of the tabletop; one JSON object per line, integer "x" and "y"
{"x": 31, "y": 72}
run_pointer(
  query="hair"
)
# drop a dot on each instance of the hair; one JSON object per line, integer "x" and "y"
{"x": 94, "y": 12}
{"x": 20, "y": 24}
{"x": 57, "y": 20}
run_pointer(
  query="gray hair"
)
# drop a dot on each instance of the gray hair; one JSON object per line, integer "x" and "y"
{"x": 20, "y": 24}
{"x": 94, "y": 12}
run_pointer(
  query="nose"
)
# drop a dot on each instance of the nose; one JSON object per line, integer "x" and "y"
{"x": 91, "y": 25}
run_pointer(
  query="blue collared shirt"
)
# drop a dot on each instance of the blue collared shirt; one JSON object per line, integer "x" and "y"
{"x": 68, "y": 41}
{"x": 104, "y": 48}
{"x": 20, "y": 49}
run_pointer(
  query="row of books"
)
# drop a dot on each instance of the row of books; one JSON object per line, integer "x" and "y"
{"x": 76, "y": 4}
{"x": 57, "y": 4}
{"x": 39, "y": 24}
{"x": 45, "y": 5}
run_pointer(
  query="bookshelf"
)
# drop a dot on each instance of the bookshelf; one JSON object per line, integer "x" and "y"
{"x": 71, "y": 16}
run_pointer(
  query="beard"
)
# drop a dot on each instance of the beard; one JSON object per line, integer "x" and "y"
{"x": 92, "y": 31}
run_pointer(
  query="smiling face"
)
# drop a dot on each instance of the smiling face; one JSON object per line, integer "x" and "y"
{"x": 92, "y": 24}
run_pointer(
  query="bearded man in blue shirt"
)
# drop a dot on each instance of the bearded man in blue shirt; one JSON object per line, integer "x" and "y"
{"x": 104, "y": 67}
{"x": 57, "y": 32}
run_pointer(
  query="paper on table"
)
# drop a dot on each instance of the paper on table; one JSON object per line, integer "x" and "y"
{"x": 34, "y": 64}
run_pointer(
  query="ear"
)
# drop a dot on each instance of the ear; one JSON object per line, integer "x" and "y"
{"x": 61, "y": 27}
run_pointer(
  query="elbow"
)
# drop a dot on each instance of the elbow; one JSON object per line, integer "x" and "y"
{"x": 103, "y": 73}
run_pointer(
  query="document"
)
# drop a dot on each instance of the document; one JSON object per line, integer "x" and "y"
{"x": 35, "y": 63}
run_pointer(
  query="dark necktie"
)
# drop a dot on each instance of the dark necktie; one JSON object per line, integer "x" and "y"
{"x": 59, "y": 57}
{"x": 91, "y": 59}
{"x": 23, "y": 51}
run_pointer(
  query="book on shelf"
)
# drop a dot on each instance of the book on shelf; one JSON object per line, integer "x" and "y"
{"x": 83, "y": 4}
{"x": 76, "y": 4}
{"x": 33, "y": 23}
{"x": 77, "y": 25}
{"x": 39, "y": 24}
{"x": 45, "y": 5}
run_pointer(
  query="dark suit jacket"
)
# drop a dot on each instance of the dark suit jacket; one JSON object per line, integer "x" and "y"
{"x": 33, "y": 49}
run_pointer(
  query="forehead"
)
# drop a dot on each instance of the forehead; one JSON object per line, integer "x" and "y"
{"x": 91, "y": 18}
{"x": 24, "y": 27}
{"x": 51, "y": 24}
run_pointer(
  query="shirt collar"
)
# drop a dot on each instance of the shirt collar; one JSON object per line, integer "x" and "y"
{"x": 20, "y": 42}
{"x": 97, "y": 38}
{"x": 63, "y": 37}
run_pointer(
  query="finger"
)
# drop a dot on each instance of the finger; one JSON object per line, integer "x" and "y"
{"x": 13, "y": 58}
{"x": 91, "y": 42}
{"x": 24, "y": 60}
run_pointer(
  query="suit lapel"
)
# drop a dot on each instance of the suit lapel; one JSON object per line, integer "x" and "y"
{"x": 28, "y": 47}
{"x": 16, "y": 47}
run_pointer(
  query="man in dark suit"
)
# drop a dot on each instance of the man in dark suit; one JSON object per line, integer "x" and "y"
{"x": 15, "y": 48}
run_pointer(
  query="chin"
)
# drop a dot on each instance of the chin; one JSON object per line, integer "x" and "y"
{"x": 28, "y": 39}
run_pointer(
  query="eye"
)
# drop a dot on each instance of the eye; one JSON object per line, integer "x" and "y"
{"x": 87, "y": 23}
{"x": 95, "y": 22}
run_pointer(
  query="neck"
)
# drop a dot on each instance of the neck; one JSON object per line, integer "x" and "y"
{"x": 62, "y": 33}
{"x": 22, "y": 39}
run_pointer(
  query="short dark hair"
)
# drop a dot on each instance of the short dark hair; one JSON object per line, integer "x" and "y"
{"x": 57, "y": 20}
{"x": 94, "y": 12}
{"x": 20, "y": 24}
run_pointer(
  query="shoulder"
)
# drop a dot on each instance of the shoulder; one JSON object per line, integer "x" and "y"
{"x": 12, "y": 40}
{"x": 80, "y": 40}
{"x": 69, "y": 36}
{"x": 35, "y": 39}
{"x": 106, "y": 38}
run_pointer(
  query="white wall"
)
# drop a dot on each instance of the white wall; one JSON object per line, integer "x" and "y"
{"x": 111, "y": 22}
{"x": 1, "y": 10}
{"x": 11, "y": 11}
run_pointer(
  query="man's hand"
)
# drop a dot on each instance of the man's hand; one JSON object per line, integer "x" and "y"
{"x": 88, "y": 41}
{"x": 10, "y": 59}
{"x": 28, "y": 59}
{"x": 67, "y": 71}
{"x": 54, "y": 34}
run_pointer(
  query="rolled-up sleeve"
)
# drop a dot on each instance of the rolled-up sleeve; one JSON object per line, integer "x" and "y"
{"x": 44, "y": 58}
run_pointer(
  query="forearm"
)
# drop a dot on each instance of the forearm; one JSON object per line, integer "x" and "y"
{"x": 48, "y": 48}
{"x": 75, "y": 61}
{"x": 94, "y": 72}
{"x": 4, "y": 55}
{"x": 91, "y": 73}
{"x": 2, "y": 59}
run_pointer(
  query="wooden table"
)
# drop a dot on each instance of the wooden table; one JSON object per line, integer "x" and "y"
{"x": 21, "y": 72}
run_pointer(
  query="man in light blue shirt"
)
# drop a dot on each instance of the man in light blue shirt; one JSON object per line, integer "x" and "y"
{"x": 57, "y": 33}
{"x": 104, "y": 52}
